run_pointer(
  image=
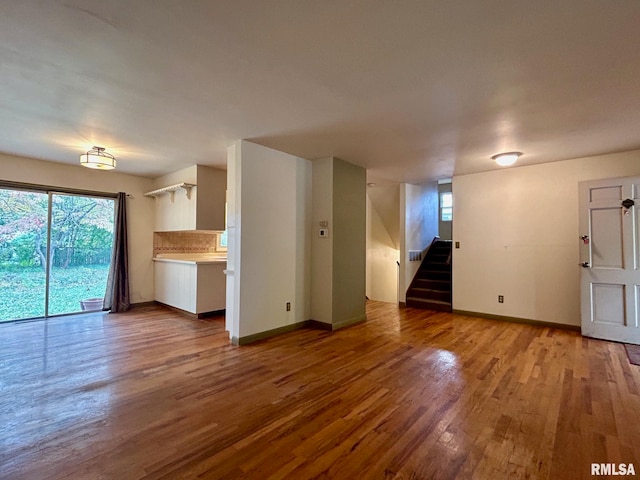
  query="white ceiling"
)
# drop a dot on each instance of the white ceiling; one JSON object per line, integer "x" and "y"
{"x": 412, "y": 90}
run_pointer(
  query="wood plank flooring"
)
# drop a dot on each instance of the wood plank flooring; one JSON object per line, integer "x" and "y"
{"x": 410, "y": 394}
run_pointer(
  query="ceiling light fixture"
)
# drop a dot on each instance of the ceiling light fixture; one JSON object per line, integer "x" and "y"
{"x": 506, "y": 159}
{"x": 99, "y": 159}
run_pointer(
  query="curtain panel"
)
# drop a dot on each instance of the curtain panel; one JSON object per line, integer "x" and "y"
{"x": 117, "y": 295}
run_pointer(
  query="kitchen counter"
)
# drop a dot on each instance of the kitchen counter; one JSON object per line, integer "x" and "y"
{"x": 190, "y": 258}
{"x": 193, "y": 282}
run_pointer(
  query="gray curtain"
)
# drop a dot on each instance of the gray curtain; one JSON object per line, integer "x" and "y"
{"x": 116, "y": 298}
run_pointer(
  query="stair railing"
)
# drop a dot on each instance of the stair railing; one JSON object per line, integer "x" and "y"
{"x": 435, "y": 239}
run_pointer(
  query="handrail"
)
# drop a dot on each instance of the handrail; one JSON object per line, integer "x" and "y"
{"x": 428, "y": 247}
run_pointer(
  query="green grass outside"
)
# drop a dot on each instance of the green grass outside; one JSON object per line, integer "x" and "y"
{"x": 22, "y": 290}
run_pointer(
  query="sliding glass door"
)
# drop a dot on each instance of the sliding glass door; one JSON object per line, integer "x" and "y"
{"x": 55, "y": 251}
{"x": 81, "y": 243}
{"x": 23, "y": 253}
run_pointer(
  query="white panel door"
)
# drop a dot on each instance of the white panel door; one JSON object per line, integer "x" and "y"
{"x": 610, "y": 259}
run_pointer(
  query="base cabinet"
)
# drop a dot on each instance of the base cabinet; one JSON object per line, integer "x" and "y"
{"x": 195, "y": 288}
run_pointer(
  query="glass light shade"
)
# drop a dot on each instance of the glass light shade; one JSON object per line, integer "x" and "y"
{"x": 99, "y": 159}
{"x": 506, "y": 159}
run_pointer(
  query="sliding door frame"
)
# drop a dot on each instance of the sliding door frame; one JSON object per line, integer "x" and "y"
{"x": 50, "y": 191}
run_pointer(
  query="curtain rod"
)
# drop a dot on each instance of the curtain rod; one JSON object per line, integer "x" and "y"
{"x": 50, "y": 188}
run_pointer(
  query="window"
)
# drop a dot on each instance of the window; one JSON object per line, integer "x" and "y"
{"x": 221, "y": 242}
{"x": 446, "y": 206}
{"x": 221, "y": 238}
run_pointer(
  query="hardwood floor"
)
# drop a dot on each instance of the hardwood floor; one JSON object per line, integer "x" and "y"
{"x": 410, "y": 394}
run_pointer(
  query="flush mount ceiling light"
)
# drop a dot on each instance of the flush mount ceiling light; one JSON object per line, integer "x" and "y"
{"x": 99, "y": 159}
{"x": 506, "y": 159}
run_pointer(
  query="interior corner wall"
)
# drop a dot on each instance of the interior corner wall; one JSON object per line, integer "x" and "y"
{"x": 418, "y": 227}
{"x": 518, "y": 234}
{"x": 271, "y": 217}
{"x": 382, "y": 255}
{"x": 322, "y": 248}
{"x": 338, "y": 268}
{"x": 140, "y": 209}
{"x": 208, "y": 211}
{"x": 349, "y": 243}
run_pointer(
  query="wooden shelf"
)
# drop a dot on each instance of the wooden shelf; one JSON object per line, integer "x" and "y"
{"x": 171, "y": 190}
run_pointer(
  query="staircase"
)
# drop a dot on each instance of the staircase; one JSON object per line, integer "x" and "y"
{"x": 431, "y": 286}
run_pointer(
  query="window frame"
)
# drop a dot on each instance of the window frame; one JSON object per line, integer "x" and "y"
{"x": 446, "y": 206}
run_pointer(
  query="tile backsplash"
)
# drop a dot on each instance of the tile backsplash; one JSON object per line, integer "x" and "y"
{"x": 184, "y": 242}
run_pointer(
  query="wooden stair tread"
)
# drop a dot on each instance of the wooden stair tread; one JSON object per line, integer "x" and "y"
{"x": 429, "y": 290}
{"x": 435, "y": 281}
{"x": 431, "y": 286}
{"x": 424, "y": 300}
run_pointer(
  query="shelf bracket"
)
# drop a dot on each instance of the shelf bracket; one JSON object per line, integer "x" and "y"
{"x": 187, "y": 189}
{"x": 171, "y": 191}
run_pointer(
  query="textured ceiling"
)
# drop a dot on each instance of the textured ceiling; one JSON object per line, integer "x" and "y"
{"x": 411, "y": 90}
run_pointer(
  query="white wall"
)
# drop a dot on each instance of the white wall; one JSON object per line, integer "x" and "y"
{"x": 518, "y": 233}
{"x": 188, "y": 175}
{"x": 140, "y": 209}
{"x": 385, "y": 198}
{"x": 270, "y": 215}
{"x": 179, "y": 214}
{"x": 203, "y": 209}
{"x": 418, "y": 227}
{"x": 382, "y": 255}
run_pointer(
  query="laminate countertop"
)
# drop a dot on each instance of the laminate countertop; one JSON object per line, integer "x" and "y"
{"x": 190, "y": 258}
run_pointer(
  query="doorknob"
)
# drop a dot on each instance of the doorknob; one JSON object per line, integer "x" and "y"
{"x": 585, "y": 265}
{"x": 628, "y": 203}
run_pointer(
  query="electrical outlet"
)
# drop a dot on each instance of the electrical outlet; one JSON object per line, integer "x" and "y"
{"x": 288, "y": 306}
{"x": 500, "y": 298}
{"x": 457, "y": 244}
